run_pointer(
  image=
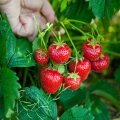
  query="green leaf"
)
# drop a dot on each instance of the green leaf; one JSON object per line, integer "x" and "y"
{"x": 77, "y": 113}
{"x": 107, "y": 91}
{"x": 1, "y": 110}
{"x": 104, "y": 8}
{"x": 47, "y": 36}
{"x": 37, "y": 105}
{"x": 9, "y": 88}
{"x": 117, "y": 75}
{"x": 113, "y": 49}
{"x": 10, "y": 46}
{"x": 36, "y": 44}
{"x": 70, "y": 98}
{"x": 100, "y": 110}
{"x": 8, "y": 43}
{"x": 63, "y": 5}
{"x": 3, "y": 27}
{"x": 79, "y": 11}
{"x": 23, "y": 56}
{"x": 98, "y": 7}
{"x": 61, "y": 69}
{"x": 105, "y": 86}
{"x": 14, "y": 53}
{"x": 111, "y": 7}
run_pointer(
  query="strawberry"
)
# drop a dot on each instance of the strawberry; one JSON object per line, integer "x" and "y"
{"x": 59, "y": 53}
{"x": 41, "y": 56}
{"x": 72, "y": 80}
{"x": 101, "y": 64}
{"x": 50, "y": 79}
{"x": 91, "y": 52}
{"x": 82, "y": 67}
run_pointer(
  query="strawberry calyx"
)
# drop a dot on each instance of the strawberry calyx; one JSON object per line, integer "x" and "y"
{"x": 81, "y": 57}
{"x": 59, "y": 44}
{"x": 101, "y": 56}
{"x": 50, "y": 68}
{"x": 42, "y": 51}
{"x": 73, "y": 75}
{"x": 93, "y": 42}
{"x": 59, "y": 67}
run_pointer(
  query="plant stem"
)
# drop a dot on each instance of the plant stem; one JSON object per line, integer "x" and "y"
{"x": 70, "y": 40}
{"x": 40, "y": 35}
{"x": 108, "y": 97}
{"x": 55, "y": 36}
{"x": 83, "y": 38}
{"x": 31, "y": 79}
{"x": 113, "y": 53}
{"x": 59, "y": 36}
{"x": 25, "y": 77}
{"x": 78, "y": 29}
{"x": 77, "y": 21}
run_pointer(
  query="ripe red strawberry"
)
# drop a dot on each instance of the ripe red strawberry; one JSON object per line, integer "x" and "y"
{"x": 82, "y": 67}
{"x": 41, "y": 56}
{"x": 101, "y": 64}
{"x": 91, "y": 52}
{"x": 72, "y": 80}
{"x": 50, "y": 80}
{"x": 59, "y": 53}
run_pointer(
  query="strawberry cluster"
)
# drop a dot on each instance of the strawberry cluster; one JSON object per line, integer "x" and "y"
{"x": 76, "y": 71}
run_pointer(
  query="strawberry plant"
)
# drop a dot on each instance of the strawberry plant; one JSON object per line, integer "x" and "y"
{"x": 75, "y": 76}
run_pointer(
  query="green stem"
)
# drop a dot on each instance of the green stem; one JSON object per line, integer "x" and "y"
{"x": 113, "y": 53}
{"x": 108, "y": 97}
{"x": 0, "y": 17}
{"x": 70, "y": 40}
{"x": 77, "y": 21}
{"x": 109, "y": 42}
{"x": 59, "y": 36}
{"x": 31, "y": 79}
{"x": 83, "y": 38}
{"x": 55, "y": 36}
{"x": 49, "y": 27}
{"x": 25, "y": 77}
{"x": 78, "y": 29}
{"x": 40, "y": 35}
{"x": 77, "y": 38}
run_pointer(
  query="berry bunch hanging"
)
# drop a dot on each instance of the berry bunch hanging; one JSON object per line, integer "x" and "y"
{"x": 92, "y": 50}
{"x": 76, "y": 70}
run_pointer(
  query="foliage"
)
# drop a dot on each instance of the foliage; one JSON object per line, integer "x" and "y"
{"x": 95, "y": 97}
{"x": 34, "y": 103}
{"x": 104, "y": 8}
{"x": 9, "y": 89}
{"x": 70, "y": 98}
{"x": 76, "y": 113}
